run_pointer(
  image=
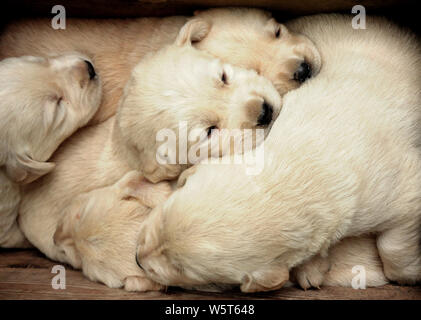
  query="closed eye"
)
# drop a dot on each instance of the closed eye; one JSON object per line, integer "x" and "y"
{"x": 224, "y": 77}
{"x": 278, "y": 32}
{"x": 210, "y": 129}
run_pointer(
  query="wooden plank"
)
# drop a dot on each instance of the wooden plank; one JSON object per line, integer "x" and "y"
{"x": 26, "y": 274}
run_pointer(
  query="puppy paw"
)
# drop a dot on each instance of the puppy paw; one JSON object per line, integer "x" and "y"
{"x": 141, "y": 284}
{"x": 311, "y": 274}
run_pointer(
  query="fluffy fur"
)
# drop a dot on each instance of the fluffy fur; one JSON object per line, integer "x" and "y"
{"x": 98, "y": 231}
{"x": 205, "y": 94}
{"x": 98, "y": 156}
{"x": 243, "y": 37}
{"x": 42, "y": 102}
{"x": 341, "y": 160}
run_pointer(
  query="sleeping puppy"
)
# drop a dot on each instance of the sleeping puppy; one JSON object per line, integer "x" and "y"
{"x": 248, "y": 38}
{"x": 222, "y": 97}
{"x": 178, "y": 83}
{"x": 252, "y": 39}
{"x": 98, "y": 231}
{"x": 42, "y": 102}
{"x": 333, "y": 169}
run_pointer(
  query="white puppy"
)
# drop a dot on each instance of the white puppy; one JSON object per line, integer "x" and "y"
{"x": 341, "y": 160}
{"x": 99, "y": 156}
{"x": 99, "y": 229}
{"x": 253, "y": 39}
{"x": 205, "y": 95}
{"x": 42, "y": 102}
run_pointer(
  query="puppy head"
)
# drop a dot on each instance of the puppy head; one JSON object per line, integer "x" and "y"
{"x": 197, "y": 244}
{"x": 252, "y": 39}
{"x": 99, "y": 229}
{"x": 42, "y": 102}
{"x": 179, "y": 100}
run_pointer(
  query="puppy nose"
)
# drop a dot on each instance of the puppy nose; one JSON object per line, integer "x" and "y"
{"x": 91, "y": 69}
{"x": 266, "y": 115}
{"x": 303, "y": 72}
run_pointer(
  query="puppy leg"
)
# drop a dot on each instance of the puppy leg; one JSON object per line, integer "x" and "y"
{"x": 311, "y": 273}
{"x": 141, "y": 284}
{"x": 400, "y": 251}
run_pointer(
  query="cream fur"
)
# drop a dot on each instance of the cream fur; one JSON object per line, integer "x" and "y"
{"x": 167, "y": 87}
{"x": 98, "y": 231}
{"x": 351, "y": 252}
{"x": 42, "y": 102}
{"x": 341, "y": 160}
{"x": 242, "y": 37}
{"x": 99, "y": 156}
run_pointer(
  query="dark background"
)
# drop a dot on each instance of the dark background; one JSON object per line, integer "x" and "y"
{"x": 404, "y": 12}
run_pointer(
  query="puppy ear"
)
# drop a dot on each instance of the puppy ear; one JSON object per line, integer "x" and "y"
{"x": 133, "y": 184}
{"x": 149, "y": 233}
{"x": 193, "y": 31}
{"x": 23, "y": 170}
{"x": 63, "y": 238}
{"x": 268, "y": 278}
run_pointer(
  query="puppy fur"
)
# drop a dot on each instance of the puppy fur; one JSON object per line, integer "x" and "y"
{"x": 99, "y": 229}
{"x": 341, "y": 160}
{"x": 99, "y": 156}
{"x": 42, "y": 102}
{"x": 116, "y": 46}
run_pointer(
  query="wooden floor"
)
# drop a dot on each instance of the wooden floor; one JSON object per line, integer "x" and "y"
{"x": 26, "y": 274}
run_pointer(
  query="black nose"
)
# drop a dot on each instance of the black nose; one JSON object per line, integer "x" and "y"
{"x": 266, "y": 114}
{"x": 91, "y": 69}
{"x": 138, "y": 263}
{"x": 303, "y": 72}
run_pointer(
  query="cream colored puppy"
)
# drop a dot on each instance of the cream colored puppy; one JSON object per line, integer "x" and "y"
{"x": 98, "y": 231}
{"x": 341, "y": 160}
{"x": 248, "y": 38}
{"x": 205, "y": 95}
{"x": 178, "y": 83}
{"x": 42, "y": 102}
